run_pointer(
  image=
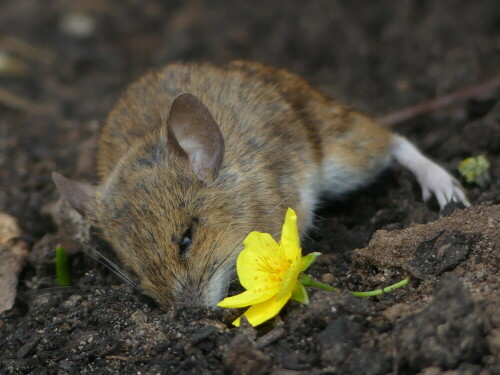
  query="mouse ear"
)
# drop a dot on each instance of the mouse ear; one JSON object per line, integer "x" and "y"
{"x": 198, "y": 135}
{"x": 79, "y": 194}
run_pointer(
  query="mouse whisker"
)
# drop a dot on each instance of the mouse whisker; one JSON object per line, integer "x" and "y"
{"x": 226, "y": 258}
{"x": 181, "y": 282}
{"x": 107, "y": 262}
{"x": 283, "y": 201}
{"x": 214, "y": 247}
{"x": 243, "y": 238}
{"x": 311, "y": 239}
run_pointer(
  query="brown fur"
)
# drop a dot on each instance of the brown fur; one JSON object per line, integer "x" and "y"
{"x": 280, "y": 136}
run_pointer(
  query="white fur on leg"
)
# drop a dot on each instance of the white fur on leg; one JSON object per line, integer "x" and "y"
{"x": 432, "y": 178}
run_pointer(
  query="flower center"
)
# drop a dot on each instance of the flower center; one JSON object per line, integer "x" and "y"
{"x": 276, "y": 266}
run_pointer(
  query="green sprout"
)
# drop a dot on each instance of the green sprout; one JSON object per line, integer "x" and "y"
{"x": 475, "y": 170}
{"x": 62, "y": 267}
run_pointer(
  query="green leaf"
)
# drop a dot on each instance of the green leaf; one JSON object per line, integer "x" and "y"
{"x": 475, "y": 170}
{"x": 299, "y": 294}
{"x": 308, "y": 260}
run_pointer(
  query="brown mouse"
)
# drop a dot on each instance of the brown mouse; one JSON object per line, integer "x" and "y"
{"x": 194, "y": 157}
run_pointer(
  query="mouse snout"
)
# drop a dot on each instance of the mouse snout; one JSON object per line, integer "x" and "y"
{"x": 203, "y": 294}
{"x": 191, "y": 297}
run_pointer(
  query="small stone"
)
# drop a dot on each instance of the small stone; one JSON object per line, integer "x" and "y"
{"x": 327, "y": 278}
{"x": 72, "y": 301}
{"x": 243, "y": 358}
{"x": 337, "y": 339}
{"x": 494, "y": 341}
{"x": 139, "y": 317}
{"x": 65, "y": 365}
{"x": 202, "y": 334}
{"x": 27, "y": 348}
{"x": 245, "y": 329}
{"x": 78, "y": 25}
{"x": 396, "y": 312}
{"x": 433, "y": 370}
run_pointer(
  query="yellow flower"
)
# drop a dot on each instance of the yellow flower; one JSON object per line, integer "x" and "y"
{"x": 270, "y": 273}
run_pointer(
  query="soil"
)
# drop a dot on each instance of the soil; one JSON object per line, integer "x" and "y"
{"x": 77, "y": 56}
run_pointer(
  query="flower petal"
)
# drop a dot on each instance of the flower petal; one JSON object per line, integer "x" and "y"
{"x": 300, "y": 294}
{"x": 290, "y": 240}
{"x": 308, "y": 260}
{"x": 249, "y": 297}
{"x": 249, "y": 264}
{"x": 259, "y": 313}
{"x": 290, "y": 278}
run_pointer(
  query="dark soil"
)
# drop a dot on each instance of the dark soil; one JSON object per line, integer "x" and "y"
{"x": 379, "y": 56}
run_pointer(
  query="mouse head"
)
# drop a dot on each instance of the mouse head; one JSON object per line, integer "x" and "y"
{"x": 173, "y": 216}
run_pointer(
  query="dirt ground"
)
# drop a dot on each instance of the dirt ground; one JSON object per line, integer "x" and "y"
{"x": 73, "y": 58}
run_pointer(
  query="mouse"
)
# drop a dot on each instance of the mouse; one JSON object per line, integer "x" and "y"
{"x": 194, "y": 156}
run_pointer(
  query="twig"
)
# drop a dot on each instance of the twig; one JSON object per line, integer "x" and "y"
{"x": 405, "y": 114}
{"x": 127, "y": 358}
{"x": 11, "y": 66}
{"x": 118, "y": 357}
{"x": 270, "y": 337}
{"x": 14, "y": 101}
{"x": 26, "y": 50}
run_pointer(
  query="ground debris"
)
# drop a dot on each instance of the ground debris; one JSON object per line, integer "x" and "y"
{"x": 242, "y": 357}
{"x": 13, "y": 253}
{"x": 433, "y": 248}
{"x": 447, "y": 332}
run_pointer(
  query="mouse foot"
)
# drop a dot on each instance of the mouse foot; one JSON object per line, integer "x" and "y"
{"x": 433, "y": 179}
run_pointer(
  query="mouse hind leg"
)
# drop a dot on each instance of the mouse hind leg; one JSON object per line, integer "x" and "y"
{"x": 356, "y": 150}
{"x": 433, "y": 179}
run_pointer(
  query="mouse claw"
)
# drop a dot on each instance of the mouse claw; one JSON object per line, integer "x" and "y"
{"x": 426, "y": 194}
{"x": 459, "y": 195}
{"x": 442, "y": 185}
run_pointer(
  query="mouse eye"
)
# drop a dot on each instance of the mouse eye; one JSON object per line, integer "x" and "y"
{"x": 186, "y": 240}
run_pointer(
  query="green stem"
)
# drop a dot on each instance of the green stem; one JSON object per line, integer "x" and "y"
{"x": 62, "y": 267}
{"x": 378, "y": 292}
{"x": 308, "y": 281}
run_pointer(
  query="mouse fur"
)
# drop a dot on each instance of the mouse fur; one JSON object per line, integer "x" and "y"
{"x": 194, "y": 157}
